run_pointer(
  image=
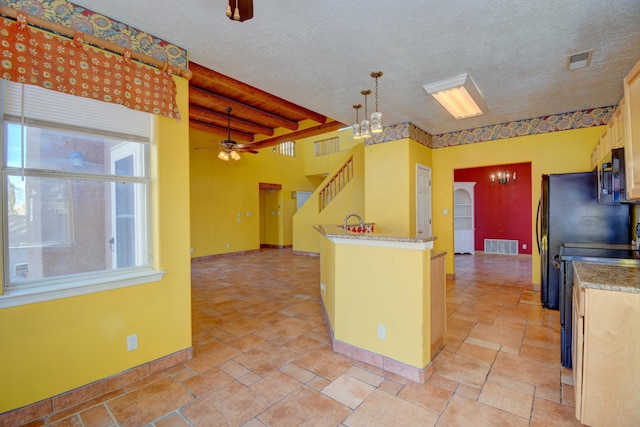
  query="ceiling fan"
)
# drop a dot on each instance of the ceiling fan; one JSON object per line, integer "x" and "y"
{"x": 230, "y": 149}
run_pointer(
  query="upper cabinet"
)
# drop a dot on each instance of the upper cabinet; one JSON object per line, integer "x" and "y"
{"x": 631, "y": 128}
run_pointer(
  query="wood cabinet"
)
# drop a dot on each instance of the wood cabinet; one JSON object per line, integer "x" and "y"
{"x": 605, "y": 349}
{"x": 631, "y": 135}
{"x": 463, "y": 218}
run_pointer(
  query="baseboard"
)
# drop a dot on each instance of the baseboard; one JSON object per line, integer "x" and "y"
{"x": 92, "y": 390}
{"x": 419, "y": 375}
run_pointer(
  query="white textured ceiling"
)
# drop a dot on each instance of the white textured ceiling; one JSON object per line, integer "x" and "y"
{"x": 319, "y": 54}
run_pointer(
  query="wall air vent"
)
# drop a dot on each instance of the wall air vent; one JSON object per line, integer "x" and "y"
{"x": 579, "y": 60}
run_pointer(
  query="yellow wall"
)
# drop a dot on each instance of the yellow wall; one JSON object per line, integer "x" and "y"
{"x": 220, "y": 190}
{"x": 321, "y": 165}
{"x": 557, "y": 152}
{"x": 383, "y": 286}
{"x": 51, "y": 347}
{"x": 390, "y": 184}
{"x": 349, "y": 200}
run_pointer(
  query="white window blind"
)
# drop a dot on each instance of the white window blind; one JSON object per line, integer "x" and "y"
{"x": 74, "y": 111}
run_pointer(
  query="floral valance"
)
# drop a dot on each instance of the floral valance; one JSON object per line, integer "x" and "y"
{"x": 45, "y": 59}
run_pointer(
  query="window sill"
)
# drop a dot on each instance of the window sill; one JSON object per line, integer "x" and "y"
{"x": 15, "y": 298}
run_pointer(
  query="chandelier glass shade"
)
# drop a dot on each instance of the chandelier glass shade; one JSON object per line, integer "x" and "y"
{"x": 356, "y": 126}
{"x": 365, "y": 125}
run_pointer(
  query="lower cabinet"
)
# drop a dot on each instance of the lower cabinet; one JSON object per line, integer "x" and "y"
{"x": 606, "y": 356}
{"x": 464, "y": 241}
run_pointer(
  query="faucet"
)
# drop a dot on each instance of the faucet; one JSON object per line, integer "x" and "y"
{"x": 347, "y": 219}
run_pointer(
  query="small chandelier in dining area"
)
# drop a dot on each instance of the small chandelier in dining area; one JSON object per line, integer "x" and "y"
{"x": 366, "y": 127}
{"x": 503, "y": 177}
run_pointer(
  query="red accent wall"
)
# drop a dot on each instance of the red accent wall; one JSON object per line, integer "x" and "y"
{"x": 501, "y": 211}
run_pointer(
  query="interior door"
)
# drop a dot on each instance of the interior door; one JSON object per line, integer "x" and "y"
{"x": 423, "y": 201}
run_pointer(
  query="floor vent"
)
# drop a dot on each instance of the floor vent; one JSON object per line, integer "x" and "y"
{"x": 499, "y": 246}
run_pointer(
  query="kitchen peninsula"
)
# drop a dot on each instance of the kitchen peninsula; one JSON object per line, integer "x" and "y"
{"x": 384, "y": 298}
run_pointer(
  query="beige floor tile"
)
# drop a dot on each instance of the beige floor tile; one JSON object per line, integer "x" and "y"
{"x": 382, "y": 409}
{"x": 532, "y": 371}
{"x": 233, "y": 405}
{"x": 390, "y": 387}
{"x": 206, "y": 381}
{"x": 428, "y": 395}
{"x": 148, "y": 403}
{"x": 462, "y": 412}
{"x": 507, "y": 399}
{"x": 305, "y": 407}
{"x": 296, "y": 372}
{"x": 324, "y": 362}
{"x": 348, "y": 390}
{"x": 461, "y": 369}
{"x": 266, "y": 358}
{"x": 172, "y": 420}
{"x": 477, "y": 352}
{"x": 468, "y": 391}
{"x": 275, "y": 386}
{"x": 366, "y": 376}
{"x": 547, "y": 413}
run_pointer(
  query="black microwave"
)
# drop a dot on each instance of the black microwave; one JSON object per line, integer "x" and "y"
{"x": 611, "y": 179}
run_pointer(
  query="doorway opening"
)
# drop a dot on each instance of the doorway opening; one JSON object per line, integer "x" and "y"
{"x": 271, "y": 220}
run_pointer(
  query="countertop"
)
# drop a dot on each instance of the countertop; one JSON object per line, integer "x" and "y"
{"x": 621, "y": 275}
{"x": 337, "y": 231}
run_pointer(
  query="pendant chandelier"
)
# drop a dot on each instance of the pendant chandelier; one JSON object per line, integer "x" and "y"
{"x": 356, "y": 125}
{"x": 366, "y": 127}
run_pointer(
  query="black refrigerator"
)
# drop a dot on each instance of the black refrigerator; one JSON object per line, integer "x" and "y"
{"x": 569, "y": 212}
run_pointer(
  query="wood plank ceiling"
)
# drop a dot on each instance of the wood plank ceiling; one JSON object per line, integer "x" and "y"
{"x": 255, "y": 114}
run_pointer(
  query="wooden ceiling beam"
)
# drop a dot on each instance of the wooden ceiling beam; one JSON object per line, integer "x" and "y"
{"x": 202, "y": 74}
{"x": 206, "y": 99}
{"x": 305, "y": 133}
{"x": 211, "y": 117}
{"x": 236, "y": 136}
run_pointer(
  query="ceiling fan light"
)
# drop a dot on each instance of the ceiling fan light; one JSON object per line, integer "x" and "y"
{"x": 376, "y": 122}
{"x": 222, "y": 155}
{"x": 234, "y": 155}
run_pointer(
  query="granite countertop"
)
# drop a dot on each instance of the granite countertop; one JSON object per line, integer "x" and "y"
{"x": 614, "y": 276}
{"x": 338, "y": 231}
{"x": 437, "y": 254}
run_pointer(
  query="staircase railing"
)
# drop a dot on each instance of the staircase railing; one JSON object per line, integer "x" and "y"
{"x": 337, "y": 182}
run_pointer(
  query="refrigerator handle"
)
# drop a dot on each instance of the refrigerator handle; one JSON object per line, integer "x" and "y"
{"x": 538, "y": 225}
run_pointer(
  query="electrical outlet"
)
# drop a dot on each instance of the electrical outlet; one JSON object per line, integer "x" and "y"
{"x": 323, "y": 289}
{"x": 524, "y": 246}
{"x": 132, "y": 342}
{"x": 382, "y": 332}
{"x": 228, "y": 246}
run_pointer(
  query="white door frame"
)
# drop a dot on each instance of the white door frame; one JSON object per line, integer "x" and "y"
{"x": 423, "y": 201}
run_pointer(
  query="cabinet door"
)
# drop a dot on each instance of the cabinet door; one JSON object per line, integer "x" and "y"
{"x": 577, "y": 345}
{"x": 618, "y": 125}
{"x": 631, "y": 119}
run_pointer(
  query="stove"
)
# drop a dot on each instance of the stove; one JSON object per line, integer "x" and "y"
{"x": 588, "y": 252}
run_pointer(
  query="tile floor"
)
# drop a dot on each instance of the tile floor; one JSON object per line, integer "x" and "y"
{"x": 261, "y": 357}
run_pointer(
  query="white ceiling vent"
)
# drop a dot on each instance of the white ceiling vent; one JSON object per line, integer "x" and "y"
{"x": 579, "y": 60}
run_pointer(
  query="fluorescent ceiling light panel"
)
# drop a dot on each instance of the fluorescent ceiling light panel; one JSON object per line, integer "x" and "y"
{"x": 459, "y": 96}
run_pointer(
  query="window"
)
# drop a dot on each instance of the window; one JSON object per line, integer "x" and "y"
{"x": 76, "y": 191}
{"x": 287, "y": 148}
{"x": 326, "y": 146}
